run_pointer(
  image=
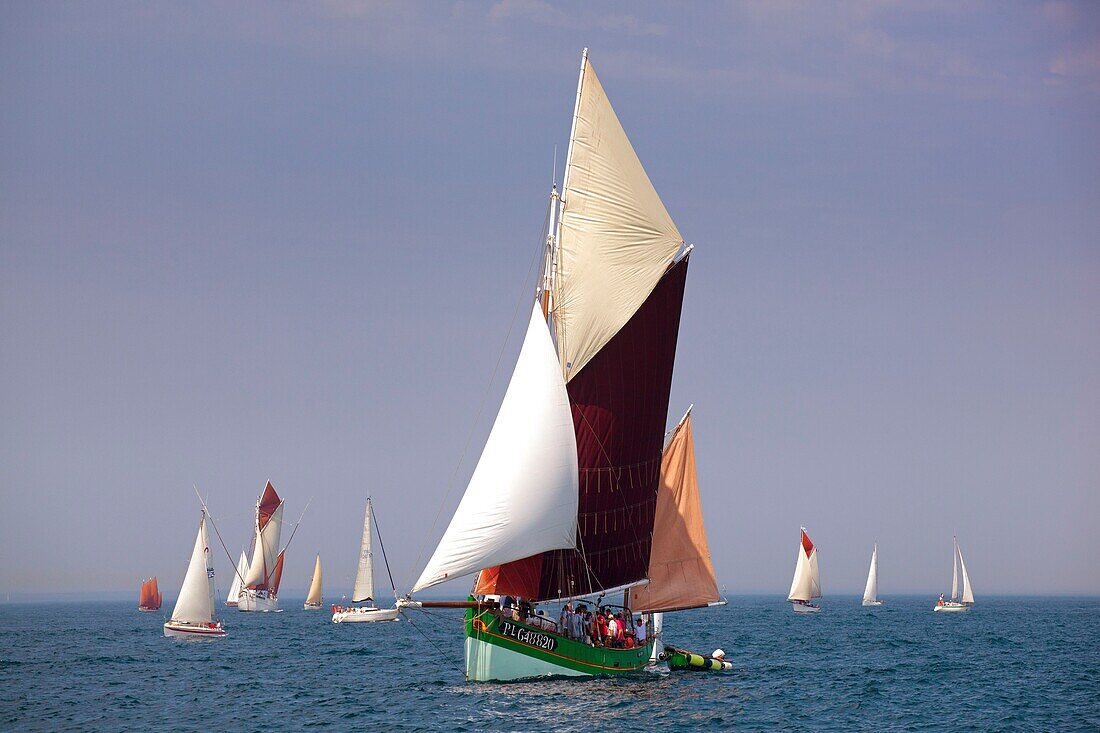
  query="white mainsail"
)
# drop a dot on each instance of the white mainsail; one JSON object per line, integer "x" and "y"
{"x": 364, "y": 577}
{"x": 807, "y": 580}
{"x": 955, "y": 570}
{"x": 195, "y": 604}
{"x": 968, "y": 594}
{"x": 314, "y": 595}
{"x": 235, "y": 586}
{"x": 870, "y": 592}
{"x": 522, "y": 497}
{"x": 616, "y": 238}
{"x": 266, "y": 550}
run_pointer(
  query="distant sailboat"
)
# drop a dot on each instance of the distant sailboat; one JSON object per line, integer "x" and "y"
{"x": 363, "y": 592}
{"x": 807, "y": 579}
{"x": 955, "y": 604}
{"x": 870, "y": 592}
{"x": 235, "y": 586}
{"x": 193, "y": 615}
{"x": 149, "y": 599}
{"x": 260, "y": 591}
{"x": 313, "y": 598}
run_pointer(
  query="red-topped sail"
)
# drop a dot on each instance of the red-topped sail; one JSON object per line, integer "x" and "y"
{"x": 269, "y": 502}
{"x": 620, "y": 406}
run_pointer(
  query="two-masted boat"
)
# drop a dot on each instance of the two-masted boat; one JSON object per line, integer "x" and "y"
{"x": 565, "y": 503}
{"x": 806, "y": 584}
{"x": 363, "y": 591}
{"x": 193, "y": 616}
{"x": 870, "y": 591}
{"x": 314, "y": 601}
{"x": 149, "y": 599}
{"x": 260, "y": 582}
{"x": 955, "y": 604}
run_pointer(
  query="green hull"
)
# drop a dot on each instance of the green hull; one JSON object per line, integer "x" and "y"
{"x": 502, "y": 649}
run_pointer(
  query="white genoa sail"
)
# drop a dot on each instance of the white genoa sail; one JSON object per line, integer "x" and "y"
{"x": 616, "y": 238}
{"x": 807, "y": 580}
{"x": 522, "y": 497}
{"x": 195, "y": 604}
{"x": 235, "y": 586}
{"x": 364, "y": 576}
{"x": 870, "y": 591}
{"x": 314, "y": 595}
{"x": 968, "y": 594}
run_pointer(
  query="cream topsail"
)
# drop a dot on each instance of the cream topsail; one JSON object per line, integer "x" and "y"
{"x": 364, "y": 576}
{"x": 616, "y": 238}
{"x": 522, "y": 497}
{"x": 195, "y": 604}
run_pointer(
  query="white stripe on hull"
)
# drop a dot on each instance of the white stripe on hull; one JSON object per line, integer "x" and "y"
{"x": 487, "y": 662}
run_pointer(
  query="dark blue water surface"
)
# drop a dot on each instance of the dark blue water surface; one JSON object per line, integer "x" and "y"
{"x": 1011, "y": 664}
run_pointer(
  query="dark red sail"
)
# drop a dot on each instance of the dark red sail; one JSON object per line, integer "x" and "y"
{"x": 620, "y": 407}
{"x": 269, "y": 502}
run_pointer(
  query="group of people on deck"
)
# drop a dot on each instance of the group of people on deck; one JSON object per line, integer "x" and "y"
{"x": 595, "y": 627}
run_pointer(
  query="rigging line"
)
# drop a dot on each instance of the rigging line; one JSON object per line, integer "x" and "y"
{"x": 219, "y": 534}
{"x": 485, "y": 394}
{"x": 436, "y": 646}
{"x": 378, "y": 531}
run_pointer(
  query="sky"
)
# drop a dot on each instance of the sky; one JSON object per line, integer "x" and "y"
{"x": 290, "y": 241}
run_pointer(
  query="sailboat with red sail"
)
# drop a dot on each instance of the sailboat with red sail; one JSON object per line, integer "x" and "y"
{"x": 149, "y": 599}
{"x": 563, "y": 504}
{"x": 260, "y": 583}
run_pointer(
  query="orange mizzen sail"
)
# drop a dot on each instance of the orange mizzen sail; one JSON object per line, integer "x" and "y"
{"x": 681, "y": 574}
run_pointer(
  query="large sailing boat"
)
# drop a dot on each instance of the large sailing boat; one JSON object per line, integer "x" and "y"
{"x": 563, "y": 501}
{"x": 807, "y": 578}
{"x": 363, "y": 592}
{"x": 313, "y": 598}
{"x": 193, "y": 615}
{"x": 149, "y": 599}
{"x": 235, "y": 586}
{"x": 870, "y": 591}
{"x": 955, "y": 604}
{"x": 260, "y": 586}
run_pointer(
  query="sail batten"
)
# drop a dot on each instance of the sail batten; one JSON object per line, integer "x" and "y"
{"x": 522, "y": 496}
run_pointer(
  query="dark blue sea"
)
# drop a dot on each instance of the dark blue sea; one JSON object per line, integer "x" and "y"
{"x": 1013, "y": 664}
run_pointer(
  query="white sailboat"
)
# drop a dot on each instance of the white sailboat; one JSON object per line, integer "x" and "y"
{"x": 870, "y": 591}
{"x": 313, "y": 598}
{"x": 235, "y": 586}
{"x": 807, "y": 579}
{"x": 193, "y": 615}
{"x": 260, "y": 587}
{"x": 363, "y": 592}
{"x": 955, "y": 604}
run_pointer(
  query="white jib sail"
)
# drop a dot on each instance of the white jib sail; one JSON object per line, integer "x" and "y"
{"x": 955, "y": 570}
{"x": 616, "y": 238}
{"x": 803, "y": 585}
{"x": 314, "y": 595}
{"x": 364, "y": 577}
{"x": 522, "y": 497}
{"x": 235, "y": 586}
{"x": 267, "y": 550}
{"x": 968, "y": 594}
{"x": 195, "y": 604}
{"x": 870, "y": 592}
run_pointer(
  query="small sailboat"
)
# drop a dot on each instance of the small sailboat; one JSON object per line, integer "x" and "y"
{"x": 807, "y": 579}
{"x": 259, "y": 591}
{"x": 956, "y": 604}
{"x": 313, "y": 598}
{"x": 563, "y": 501}
{"x": 870, "y": 591}
{"x": 193, "y": 615}
{"x": 238, "y": 577}
{"x": 363, "y": 592}
{"x": 149, "y": 599}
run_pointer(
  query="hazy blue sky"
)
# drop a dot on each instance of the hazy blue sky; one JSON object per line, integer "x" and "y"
{"x": 250, "y": 241}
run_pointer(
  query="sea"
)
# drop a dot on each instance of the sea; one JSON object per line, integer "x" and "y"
{"x": 1012, "y": 664}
